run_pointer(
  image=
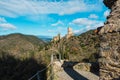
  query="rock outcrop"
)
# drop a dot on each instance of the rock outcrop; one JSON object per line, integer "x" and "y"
{"x": 83, "y": 66}
{"x": 109, "y": 60}
{"x": 113, "y": 22}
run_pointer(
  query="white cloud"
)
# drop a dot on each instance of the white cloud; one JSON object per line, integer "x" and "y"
{"x": 85, "y": 21}
{"x": 76, "y": 31}
{"x": 106, "y": 13}
{"x": 79, "y": 31}
{"x": 89, "y": 27}
{"x": 5, "y": 25}
{"x": 87, "y": 24}
{"x": 57, "y": 23}
{"x": 50, "y": 31}
{"x": 86, "y": 28}
{"x": 14, "y": 8}
{"x": 94, "y": 16}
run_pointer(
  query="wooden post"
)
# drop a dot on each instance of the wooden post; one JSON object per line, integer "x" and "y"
{"x": 38, "y": 77}
{"x": 59, "y": 57}
{"x": 51, "y": 58}
{"x": 52, "y": 72}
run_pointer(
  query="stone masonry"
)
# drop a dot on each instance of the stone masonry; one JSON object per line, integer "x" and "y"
{"x": 109, "y": 60}
{"x": 70, "y": 33}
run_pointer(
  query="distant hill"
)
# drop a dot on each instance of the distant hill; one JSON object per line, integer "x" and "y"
{"x": 45, "y": 38}
{"x": 20, "y": 43}
{"x": 20, "y": 57}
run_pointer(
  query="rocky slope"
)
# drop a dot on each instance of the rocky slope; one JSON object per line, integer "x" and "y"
{"x": 110, "y": 43}
{"x": 79, "y": 48}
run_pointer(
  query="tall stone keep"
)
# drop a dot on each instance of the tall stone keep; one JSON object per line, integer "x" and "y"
{"x": 109, "y": 60}
{"x": 70, "y": 33}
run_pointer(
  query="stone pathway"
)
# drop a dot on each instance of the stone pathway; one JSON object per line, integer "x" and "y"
{"x": 70, "y": 74}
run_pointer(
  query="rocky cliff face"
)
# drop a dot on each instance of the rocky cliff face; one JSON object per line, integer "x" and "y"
{"x": 110, "y": 43}
{"x": 113, "y": 22}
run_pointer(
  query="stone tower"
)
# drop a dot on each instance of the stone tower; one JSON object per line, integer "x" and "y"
{"x": 70, "y": 33}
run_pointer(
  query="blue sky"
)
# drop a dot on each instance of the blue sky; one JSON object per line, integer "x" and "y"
{"x": 50, "y": 17}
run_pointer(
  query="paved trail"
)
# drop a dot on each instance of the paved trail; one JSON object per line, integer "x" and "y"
{"x": 71, "y": 74}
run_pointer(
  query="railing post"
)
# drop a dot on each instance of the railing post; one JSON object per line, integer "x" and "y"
{"x": 51, "y": 58}
{"x": 52, "y": 72}
{"x": 59, "y": 57}
{"x": 38, "y": 77}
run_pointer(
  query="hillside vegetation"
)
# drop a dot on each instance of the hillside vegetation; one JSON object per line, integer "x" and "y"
{"x": 84, "y": 47}
{"x": 20, "y": 57}
{"x": 23, "y": 55}
{"x": 18, "y": 44}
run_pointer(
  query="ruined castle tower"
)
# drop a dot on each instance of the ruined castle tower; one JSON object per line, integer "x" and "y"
{"x": 70, "y": 33}
{"x": 109, "y": 60}
{"x": 56, "y": 38}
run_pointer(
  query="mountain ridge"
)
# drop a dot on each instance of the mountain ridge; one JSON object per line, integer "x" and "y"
{"x": 19, "y": 43}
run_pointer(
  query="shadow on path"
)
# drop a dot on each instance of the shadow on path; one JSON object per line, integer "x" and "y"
{"x": 71, "y": 72}
{"x": 95, "y": 68}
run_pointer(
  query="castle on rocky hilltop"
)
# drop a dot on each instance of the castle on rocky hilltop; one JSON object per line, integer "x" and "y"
{"x": 56, "y": 38}
{"x": 67, "y": 36}
{"x": 70, "y": 33}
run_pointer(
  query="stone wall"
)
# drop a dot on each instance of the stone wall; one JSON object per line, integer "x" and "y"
{"x": 110, "y": 56}
{"x": 109, "y": 60}
{"x": 113, "y": 20}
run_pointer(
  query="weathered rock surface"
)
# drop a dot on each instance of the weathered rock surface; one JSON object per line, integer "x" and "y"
{"x": 110, "y": 56}
{"x": 109, "y": 61}
{"x": 113, "y": 22}
{"x": 83, "y": 66}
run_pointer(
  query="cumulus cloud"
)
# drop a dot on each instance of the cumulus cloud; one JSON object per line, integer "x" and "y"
{"x": 94, "y": 16}
{"x": 57, "y": 23}
{"x": 79, "y": 31}
{"x": 76, "y": 31}
{"x": 87, "y": 23}
{"x": 14, "y": 8}
{"x": 5, "y": 25}
{"x": 106, "y": 13}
